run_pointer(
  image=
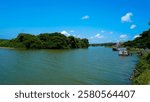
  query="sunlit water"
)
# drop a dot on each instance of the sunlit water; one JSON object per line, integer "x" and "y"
{"x": 95, "y": 65}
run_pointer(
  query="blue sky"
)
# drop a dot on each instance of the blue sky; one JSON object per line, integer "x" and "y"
{"x": 98, "y": 20}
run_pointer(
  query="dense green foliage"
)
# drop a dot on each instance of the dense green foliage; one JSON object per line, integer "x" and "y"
{"x": 140, "y": 42}
{"x": 45, "y": 41}
{"x": 141, "y": 74}
{"x": 142, "y": 71}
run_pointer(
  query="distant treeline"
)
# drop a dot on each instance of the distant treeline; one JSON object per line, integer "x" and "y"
{"x": 45, "y": 41}
{"x": 103, "y": 44}
{"x": 143, "y": 41}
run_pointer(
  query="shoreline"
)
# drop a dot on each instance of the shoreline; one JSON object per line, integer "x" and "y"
{"x": 7, "y": 48}
{"x": 141, "y": 73}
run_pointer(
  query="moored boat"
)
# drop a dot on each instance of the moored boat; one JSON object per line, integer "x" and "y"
{"x": 115, "y": 49}
{"x": 123, "y": 52}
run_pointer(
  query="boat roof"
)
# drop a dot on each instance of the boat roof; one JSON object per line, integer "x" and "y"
{"x": 122, "y": 49}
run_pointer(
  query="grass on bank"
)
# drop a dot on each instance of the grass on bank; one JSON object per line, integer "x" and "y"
{"x": 142, "y": 72}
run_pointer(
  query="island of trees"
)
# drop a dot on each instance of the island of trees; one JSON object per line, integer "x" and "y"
{"x": 45, "y": 41}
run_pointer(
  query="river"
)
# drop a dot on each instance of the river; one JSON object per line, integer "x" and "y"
{"x": 92, "y": 66}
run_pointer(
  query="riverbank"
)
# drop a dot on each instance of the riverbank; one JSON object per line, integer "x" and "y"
{"x": 141, "y": 74}
{"x": 7, "y": 48}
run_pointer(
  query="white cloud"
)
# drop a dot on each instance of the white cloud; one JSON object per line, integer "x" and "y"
{"x": 126, "y": 17}
{"x": 99, "y": 36}
{"x": 133, "y": 26}
{"x": 77, "y": 36}
{"x": 109, "y": 41}
{"x": 65, "y": 33}
{"x": 111, "y": 32}
{"x": 102, "y": 31}
{"x": 72, "y": 31}
{"x": 85, "y": 17}
{"x": 136, "y": 36}
{"x": 68, "y": 34}
{"x": 123, "y": 36}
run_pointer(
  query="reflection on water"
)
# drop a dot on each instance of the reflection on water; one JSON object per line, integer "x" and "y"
{"x": 96, "y": 65}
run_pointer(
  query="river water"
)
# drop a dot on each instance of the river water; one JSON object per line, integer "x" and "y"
{"x": 92, "y": 66}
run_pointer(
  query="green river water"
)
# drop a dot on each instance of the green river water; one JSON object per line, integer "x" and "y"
{"x": 92, "y": 66}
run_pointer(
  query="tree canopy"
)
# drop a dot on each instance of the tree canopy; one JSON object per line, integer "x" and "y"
{"x": 45, "y": 41}
{"x": 143, "y": 41}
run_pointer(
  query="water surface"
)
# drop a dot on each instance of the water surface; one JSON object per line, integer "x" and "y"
{"x": 95, "y": 65}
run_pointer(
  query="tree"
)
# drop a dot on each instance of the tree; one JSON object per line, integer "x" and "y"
{"x": 140, "y": 42}
{"x": 46, "y": 41}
